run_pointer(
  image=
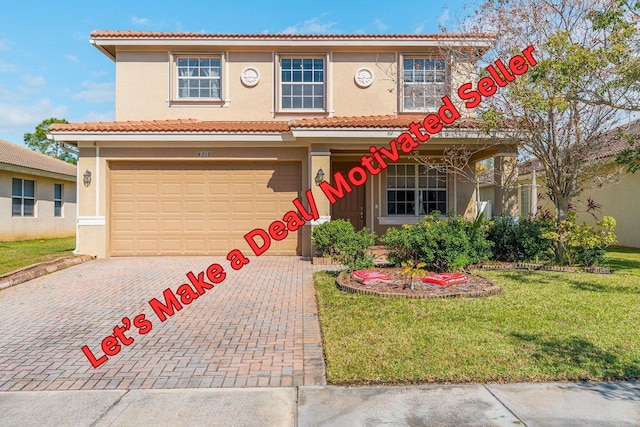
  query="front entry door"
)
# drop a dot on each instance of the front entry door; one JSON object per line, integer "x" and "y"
{"x": 352, "y": 206}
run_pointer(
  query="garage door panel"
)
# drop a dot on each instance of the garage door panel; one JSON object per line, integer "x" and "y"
{"x": 123, "y": 225}
{"x": 195, "y": 207}
{"x": 243, "y": 189}
{"x": 147, "y": 207}
{"x": 143, "y": 225}
{"x": 170, "y": 207}
{"x": 195, "y": 225}
{"x": 166, "y": 208}
{"x": 218, "y": 207}
{"x": 196, "y": 189}
{"x": 171, "y": 246}
{"x": 167, "y": 189}
{"x": 170, "y": 225}
{"x": 123, "y": 188}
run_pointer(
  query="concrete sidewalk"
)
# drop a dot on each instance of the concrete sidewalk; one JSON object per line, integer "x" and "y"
{"x": 554, "y": 404}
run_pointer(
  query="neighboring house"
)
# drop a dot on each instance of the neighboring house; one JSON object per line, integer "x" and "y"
{"x": 216, "y": 134}
{"x": 37, "y": 195}
{"x": 616, "y": 196}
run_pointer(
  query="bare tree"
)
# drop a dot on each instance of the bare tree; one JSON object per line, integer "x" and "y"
{"x": 545, "y": 108}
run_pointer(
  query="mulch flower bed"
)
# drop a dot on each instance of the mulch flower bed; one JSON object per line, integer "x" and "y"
{"x": 476, "y": 286}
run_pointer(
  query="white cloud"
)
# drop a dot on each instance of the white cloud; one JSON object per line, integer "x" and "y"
{"x": 107, "y": 116}
{"x": 96, "y": 93}
{"x": 99, "y": 73}
{"x": 379, "y": 25}
{"x": 72, "y": 58}
{"x": 312, "y": 26}
{"x": 418, "y": 29}
{"x": 444, "y": 17}
{"x": 4, "y": 44}
{"x": 24, "y": 118}
{"x": 140, "y": 21}
{"x": 7, "y": 68}
{"x": 33, "y": 80}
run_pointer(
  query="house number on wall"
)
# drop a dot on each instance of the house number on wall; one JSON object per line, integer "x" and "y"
{"x": 204, "y": 154}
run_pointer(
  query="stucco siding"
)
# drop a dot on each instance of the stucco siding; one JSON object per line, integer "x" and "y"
{"x": 43, "y": 224}
{"x": 620, "y": 201}
{"x": 146, "y": 80}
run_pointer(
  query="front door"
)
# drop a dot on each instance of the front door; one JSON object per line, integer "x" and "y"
{"x": 352, "y": 206}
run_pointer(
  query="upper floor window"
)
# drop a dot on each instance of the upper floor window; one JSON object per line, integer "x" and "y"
{"x": 199, "y": 78}
{"x": 415, "y": 190}
{"x": 23, "y": 197}
{"x": 424, "y": 83}
{"x": 302, "y": 83}
{"x": 57, "y": 200}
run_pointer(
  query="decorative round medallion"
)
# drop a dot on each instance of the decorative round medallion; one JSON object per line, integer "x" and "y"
{"x": 364, "y": 77}
{"x": 250, "y": 76}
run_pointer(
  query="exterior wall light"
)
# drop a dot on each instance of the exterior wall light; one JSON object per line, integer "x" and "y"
{"x": 319, "y": 176}
{"x": 86, "y": 178}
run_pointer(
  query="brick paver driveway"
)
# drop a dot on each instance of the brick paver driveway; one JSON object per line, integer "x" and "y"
{"x": 258, "y": 327}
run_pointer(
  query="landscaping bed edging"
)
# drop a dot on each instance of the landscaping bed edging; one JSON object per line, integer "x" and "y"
{"x": 344, "y": 286}
{"x": 36, "y": 270}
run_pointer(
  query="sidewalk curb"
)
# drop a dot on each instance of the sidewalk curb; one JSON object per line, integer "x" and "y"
{"x": 36, "y": 270}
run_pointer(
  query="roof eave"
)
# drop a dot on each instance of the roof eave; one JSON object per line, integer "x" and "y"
{"x": 36, "y": 172}
{"x": 73, "y": 137}
{"x": 109, "y": 53}
{"x": 108, "y": 45}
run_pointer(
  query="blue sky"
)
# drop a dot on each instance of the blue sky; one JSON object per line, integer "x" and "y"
{"x": 49, "y": 69}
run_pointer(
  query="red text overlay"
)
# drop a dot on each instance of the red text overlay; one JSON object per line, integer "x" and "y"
{"x": 305, "y": 210}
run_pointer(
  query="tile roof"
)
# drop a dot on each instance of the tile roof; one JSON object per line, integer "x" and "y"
{"x": 172, "y": 126}
{"x": 117, "y": 34}
{"x": 389, "y": 121}
{"x": 529, "y": 165}
{"x": 12, "y": 154}
{"x": 196, "y": 126}
{"x": 612, "y": 143}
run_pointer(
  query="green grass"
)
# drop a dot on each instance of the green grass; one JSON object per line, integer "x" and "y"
{"x": 15, "y": 255}
{"x": 544, "y": 326}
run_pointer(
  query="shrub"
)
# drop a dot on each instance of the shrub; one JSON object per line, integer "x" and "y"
{"x": 520, "y": 240}
{"x": 581, "y": 244}
{"x": 328, "y": 237}
{"x": 442, "y": 244}
{"x": 339, "y": 240}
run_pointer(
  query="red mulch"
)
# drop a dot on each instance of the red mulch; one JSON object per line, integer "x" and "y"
{"x": 474, "y": 287}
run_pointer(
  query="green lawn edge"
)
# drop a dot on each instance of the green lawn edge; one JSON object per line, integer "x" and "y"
{"x": 544, "y": 326}
{"x": 20, "y": 254}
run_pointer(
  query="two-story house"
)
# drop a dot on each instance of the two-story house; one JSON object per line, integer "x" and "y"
{"x": 216, "y": 134}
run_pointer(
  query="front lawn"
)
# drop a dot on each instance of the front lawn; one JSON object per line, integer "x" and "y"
{"x": 543, "y": 326}
{"x": 15, "y": 255}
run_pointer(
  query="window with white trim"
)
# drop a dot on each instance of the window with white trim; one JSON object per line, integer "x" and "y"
{"x": 415, "y": 190}
{"x": 23, "y": 198}
{"x": 199, "y": 78}
{"x": 302, "y": 83}
{"x": 424, "y": 83}
{"x": 57, "y": 200}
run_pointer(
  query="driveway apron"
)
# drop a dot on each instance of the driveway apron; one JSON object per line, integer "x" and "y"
{"x": 259, "y": 327}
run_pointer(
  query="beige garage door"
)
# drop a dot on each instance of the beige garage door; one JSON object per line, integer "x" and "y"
{"x": 198, "y": 208}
